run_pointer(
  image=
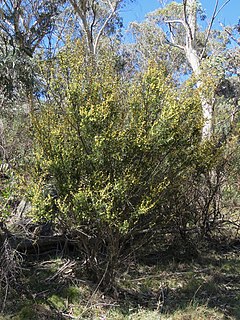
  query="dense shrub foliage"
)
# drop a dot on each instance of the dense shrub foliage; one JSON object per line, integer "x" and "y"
{"x": 113, "y": 155}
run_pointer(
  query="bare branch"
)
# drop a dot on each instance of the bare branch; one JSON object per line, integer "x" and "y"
{"x": 222, "y": 6}
{"x": 175, "y": 45}
{"x": 186, "y": 24}
{"x": 111, "y": 6}
{"x": 171, "y": 33}
{"x": 94, "y": 16}
{"x": 175, "y": 21}
{"x": 216, "y": 11}
{"x": 82, "y": 16}
{"x": 209, "y": 29}
{"x": 111, "y": 14}
{"x": 172, "y": 42}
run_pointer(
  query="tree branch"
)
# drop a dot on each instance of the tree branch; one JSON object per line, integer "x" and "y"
{"x": 186, "y": 25}
{"x": 230, "y": 34}
{"x": 94, "y": 17}
{"x": 82, "y": 16}
{"x": 175, "y": 45}
{"x": 214, "y": 15}
{"x": 111, "y": 14}
{"x": 222, "y": 6}
{"x": 175, "y": 21}
{"x": 172, "y": 42}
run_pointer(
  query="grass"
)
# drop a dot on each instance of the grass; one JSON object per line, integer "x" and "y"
{"x": 207, "y": 287}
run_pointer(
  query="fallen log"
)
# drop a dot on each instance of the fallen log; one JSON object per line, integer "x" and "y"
{"x": 32, "y": 244}
{"x": 42, "y": 244}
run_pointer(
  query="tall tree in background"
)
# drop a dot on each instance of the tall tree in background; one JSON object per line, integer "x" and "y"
{"x": 194, "y": 56}
{"x": 181, "y": 40}
{"x": 23, "y": 26}
{"x": 25, "y": 23}
{"x": 95, "y": 17}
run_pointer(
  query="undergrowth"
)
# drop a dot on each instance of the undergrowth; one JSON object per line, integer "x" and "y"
{"x": 169, "y": 287}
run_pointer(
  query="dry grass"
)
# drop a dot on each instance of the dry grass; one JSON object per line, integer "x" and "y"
{"x": 207, "y": 288}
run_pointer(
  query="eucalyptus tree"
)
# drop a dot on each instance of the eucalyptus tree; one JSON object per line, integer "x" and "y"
{"x": 233, "y": 32}
{"x": 180, "y": 38}
{"x": 96, "y": 18}
{"x": 25, "y": 23}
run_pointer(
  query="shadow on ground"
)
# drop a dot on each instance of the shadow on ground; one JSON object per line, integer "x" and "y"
{"x": 163, "y": 283}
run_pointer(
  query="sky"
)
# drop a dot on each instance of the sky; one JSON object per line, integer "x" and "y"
{"x": 139, "y": 8}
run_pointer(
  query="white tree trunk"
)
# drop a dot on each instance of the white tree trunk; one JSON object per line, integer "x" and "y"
{"x": 190, "y": 23}
{"x": 207, "y": 108}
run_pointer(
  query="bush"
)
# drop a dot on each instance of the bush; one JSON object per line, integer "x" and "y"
{"x": 110, "y": 155}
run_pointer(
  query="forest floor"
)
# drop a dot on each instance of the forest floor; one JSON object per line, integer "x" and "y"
{"x": 157, "y": 287}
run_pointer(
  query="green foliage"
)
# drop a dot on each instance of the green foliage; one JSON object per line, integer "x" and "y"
{"x": 27, "y": 312}
{"x": 170, "y": 11}
{"x": 110, "y": 155}
{"x": 109, "y": 151}
{"x": 8, "y": 190}
{"x": 57, "y": 302}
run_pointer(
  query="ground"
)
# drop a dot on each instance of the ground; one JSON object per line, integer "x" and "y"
{"x": 164, "y": 286}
